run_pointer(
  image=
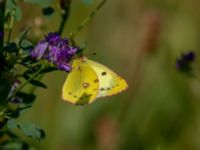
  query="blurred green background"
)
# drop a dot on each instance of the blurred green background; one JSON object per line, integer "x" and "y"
{"x": 140, "y": 40}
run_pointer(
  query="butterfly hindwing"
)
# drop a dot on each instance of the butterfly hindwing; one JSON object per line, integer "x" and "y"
{"x": 109, "y": 82}
{"x": 81, "y": 86}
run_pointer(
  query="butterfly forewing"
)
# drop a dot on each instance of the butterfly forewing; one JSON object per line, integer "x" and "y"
{"x": 109, "y": 82}
{"x": 81, "y": 86}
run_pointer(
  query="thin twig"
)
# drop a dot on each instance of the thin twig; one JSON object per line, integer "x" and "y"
{"x": 66, "y": 10}
{"x": 2, "y": 13}
{"x": 87, "y": 19}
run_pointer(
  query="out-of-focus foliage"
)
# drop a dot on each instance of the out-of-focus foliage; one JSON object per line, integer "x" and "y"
{"x": 139, "y": 39}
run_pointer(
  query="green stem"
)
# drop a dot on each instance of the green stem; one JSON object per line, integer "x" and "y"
{"x": 87, "y": 19}
{"x": 62, "y": 25}
{"x": 10, "y": 28}
{"x": 66, "y": 9}
{"x": 2, "y": 13}
{"x": 23, "y": 108}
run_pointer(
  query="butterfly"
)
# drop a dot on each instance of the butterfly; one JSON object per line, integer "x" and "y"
{"x": 90, "y": 80}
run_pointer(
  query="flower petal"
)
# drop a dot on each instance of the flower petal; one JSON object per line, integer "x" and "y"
{"x": 65, "y": 67}
{"x": 39, "y": 50}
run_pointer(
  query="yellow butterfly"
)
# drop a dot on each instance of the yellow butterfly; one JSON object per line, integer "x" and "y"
{"x": 89, "y": 80}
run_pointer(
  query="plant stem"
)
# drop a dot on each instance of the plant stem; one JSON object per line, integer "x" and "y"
{"x": 2, "y": 12}
{"x": 10, "y": 28}
{"x": 87, "y": 19}
{"x": 65, "y": 5}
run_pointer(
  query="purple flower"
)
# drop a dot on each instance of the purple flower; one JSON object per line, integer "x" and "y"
{"x": 39, "y": 50}
{"x": 183, "y": 64}
{"x": 53, "y": 38}
{"x": 55, "y": 50}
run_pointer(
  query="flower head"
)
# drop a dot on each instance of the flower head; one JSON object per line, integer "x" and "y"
{"x": 183, "y": 64}
{"x": 56, "y": 50}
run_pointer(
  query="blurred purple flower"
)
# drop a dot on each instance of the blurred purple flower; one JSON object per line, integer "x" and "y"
{"x": 39, "y": 50}
{"x": 184, "y": 62}
{"x": 56, "y": 50}
{"x": 14, "y": 87}
{"x": 16, "y": 100}
{"x": 1, "y": 34}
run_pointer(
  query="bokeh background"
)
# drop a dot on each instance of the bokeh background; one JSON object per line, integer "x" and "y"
{"x": 140, "y": 40}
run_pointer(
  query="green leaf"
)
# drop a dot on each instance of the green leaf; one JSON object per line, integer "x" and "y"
{"x": 15, "y": 144}
{"x": 32, "y": 131}
{"x": 42, "y": 3}
{"x": 27, "y": 60}
{"x": 11, "y": 146}
{"x": 11, "y": 47}
{"x": 26, "y": 45}
{"x": 23, "y": 35}
{"x": 31, "y": 70}
{"x": 38, "y": 83}
{"x": 26, "y": 98}
{"x": 11, "y": 124}
{"x": 49, "y": 69}
{"x": 35, "y": 82}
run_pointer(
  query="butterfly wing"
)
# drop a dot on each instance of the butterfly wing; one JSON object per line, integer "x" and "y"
{"x": 109, "y": 82}
{"x": 80, "y": 86}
